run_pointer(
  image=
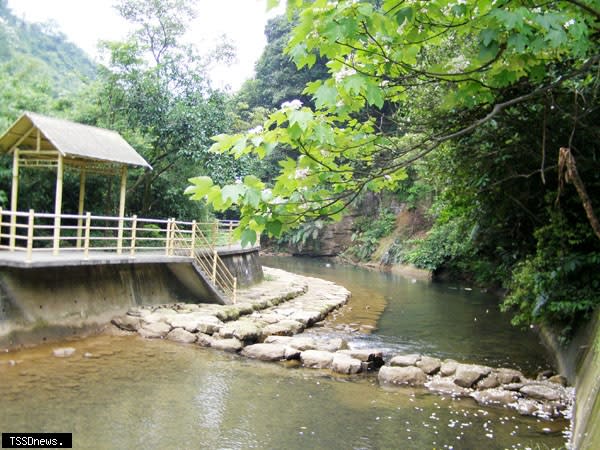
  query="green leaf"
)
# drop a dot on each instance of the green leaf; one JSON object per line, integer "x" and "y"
{"x": 374, "y": 95}
{"x": 253, "y": 182}
{"x": 488, "y": 36}
{"x": 252, "y": 197}
{"x": 201, "y": 186}
{"x": 274, "y": 228}
{"x": 325, "y": 96}
{"x": 301, "y": 118}
{"x": 404, "y": 14}
{"x": 354, "y": 83}
{"x": 248, "y": 237}
{"x": 518, "y": 42}
{"x": 233, "y": 192}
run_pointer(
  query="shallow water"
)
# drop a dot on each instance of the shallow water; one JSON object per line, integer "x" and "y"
{"x": 127, "y": 392}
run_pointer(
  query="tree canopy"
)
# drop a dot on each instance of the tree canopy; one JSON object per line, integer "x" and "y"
{"x": 484, "y": 94}
{"x": 405, "y": 77}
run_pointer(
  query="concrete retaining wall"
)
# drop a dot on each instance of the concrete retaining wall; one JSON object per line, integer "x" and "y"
{"x": 46, "y": 303}
{"x": 580, "y": 363}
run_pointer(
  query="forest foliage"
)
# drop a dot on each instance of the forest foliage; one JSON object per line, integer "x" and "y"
{"x": 466, "y": 103}
{"x": 484, "y": 95}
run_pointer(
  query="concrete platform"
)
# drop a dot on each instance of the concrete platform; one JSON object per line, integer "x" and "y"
{"x": 75, "y": 257}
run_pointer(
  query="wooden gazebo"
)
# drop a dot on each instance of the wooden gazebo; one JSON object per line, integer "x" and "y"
{"x": 38, "y": 141}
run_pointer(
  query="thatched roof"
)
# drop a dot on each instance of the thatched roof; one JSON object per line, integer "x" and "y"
{"x": 72, "y": 140}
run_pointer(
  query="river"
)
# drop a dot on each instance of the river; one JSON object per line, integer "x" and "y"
{"x": 127, "y": 392}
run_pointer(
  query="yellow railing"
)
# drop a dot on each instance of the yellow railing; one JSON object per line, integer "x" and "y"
{"x": 32, "y": 232}
{"x": 196, "y": 245}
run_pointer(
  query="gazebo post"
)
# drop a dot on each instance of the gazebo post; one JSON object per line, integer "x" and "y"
{"x": 81, "y": 206}
{"x": 14, "y": 199}
{"x": 58, "y": 203}
{"x": 122, "y": 198}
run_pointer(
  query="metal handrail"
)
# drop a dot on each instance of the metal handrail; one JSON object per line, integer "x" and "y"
{"x": 40, "y": 232}
{"x": 208, "y": 261}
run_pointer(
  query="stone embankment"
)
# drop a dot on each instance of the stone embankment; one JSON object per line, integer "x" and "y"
{"x": 267, "y": 321}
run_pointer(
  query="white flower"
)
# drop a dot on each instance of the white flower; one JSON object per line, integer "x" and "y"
{"x": 238, "y": 180}
{"x": 569, "y": 22}
{"x": 301, "y": 173}
{"x": 256, "y": 130}
{"x": 294, "y": 104}
{"x": 343, "y": 73}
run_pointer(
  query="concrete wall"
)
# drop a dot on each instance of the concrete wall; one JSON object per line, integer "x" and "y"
{"x": 46, "y": 303}
{"x": 580, "y": 363}
{"x": 243, "y": 264}
{"x": 586, "y": 425}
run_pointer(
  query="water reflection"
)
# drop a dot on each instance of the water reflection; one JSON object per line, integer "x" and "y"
{"x": 127, "y": 392}
{"x": 431, "y": 318}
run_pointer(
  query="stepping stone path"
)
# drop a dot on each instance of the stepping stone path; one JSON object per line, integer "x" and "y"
{"x": 267, "y": 323}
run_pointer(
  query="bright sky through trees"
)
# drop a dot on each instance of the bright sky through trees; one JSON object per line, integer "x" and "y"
{"x": 86, "y": 22}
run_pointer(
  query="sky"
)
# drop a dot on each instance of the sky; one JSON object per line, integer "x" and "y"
{"x": 85, "y": 22}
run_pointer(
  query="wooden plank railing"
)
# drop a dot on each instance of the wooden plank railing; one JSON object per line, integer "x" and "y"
{"x": 32, "y": 232}
{"x": 198, "y": 246}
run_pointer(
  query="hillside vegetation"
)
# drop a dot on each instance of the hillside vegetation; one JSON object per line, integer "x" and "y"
{"x": 38, "y": 66}
{"x": 459, "y": 136}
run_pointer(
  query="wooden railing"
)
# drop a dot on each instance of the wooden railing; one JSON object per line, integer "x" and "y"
{"x": 32, "y": 232}
{"x": 195, "y": 243}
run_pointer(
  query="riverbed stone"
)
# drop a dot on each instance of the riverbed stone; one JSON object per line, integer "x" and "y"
{"x": 268, "y": 318}
{"x": 429, "y": 365}
{"x": 127, "y": 322}
{"x": 526, "y": 406}
{"x": 405, "y": 360}
{"x": 284, "y": 327}
{"x": 181, "y": 335}
{"x": 316, "y": 359}
{"x": 228, "y": 313}
{"x": 291, "y": 353}
{"x": 558, "y": 379}
{"x": 467, "y": 375}
{"x": 228, "y": 345}
{"x": 243, "y": 329}
{"x": 196, "y": 322}
{"x": 372, "y": 359}
{"x": 160, "y": 315}
{"x": 489, "y": 382}
{"x": 346, "y": 364}
{"x": 447, "y": 386}
{"x": 63, "y": 352}
{"x": 507, "y": 376}
{"x": 332, "y": 345}
{"x": 155, "y": 330}
{"x": 265, "y": 352}
{"x": 204, "y": 340}
{"x": 495, "y": 397}
{"x": 448, "y": 367}
{"x": 307, "y": 317}
{"x": 541, "y": 391}
{"x": 409, "y": 375}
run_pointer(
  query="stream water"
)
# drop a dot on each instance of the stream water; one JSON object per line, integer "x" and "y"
{"x": 127, "y": 392}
